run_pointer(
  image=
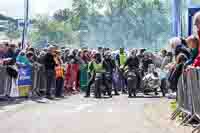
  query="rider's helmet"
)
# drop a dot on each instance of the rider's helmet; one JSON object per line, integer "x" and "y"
{"x": 133, "y": 52}
{"x": 121, "y": 50}
{"x": 107, "y": 55}
{"x": 97, "y": 56}
{"x": 146, "y": 54}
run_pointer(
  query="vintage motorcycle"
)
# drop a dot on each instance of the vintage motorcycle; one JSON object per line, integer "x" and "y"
{"x": 151, "y": 82}
{"x": 98, "y": 84}
{"x": 132, "y": 81}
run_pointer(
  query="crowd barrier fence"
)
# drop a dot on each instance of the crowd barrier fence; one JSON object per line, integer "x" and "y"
{"x": 31, "y": 81}
{"x": 188, "y": 97}
{"x": 5, "y": 82}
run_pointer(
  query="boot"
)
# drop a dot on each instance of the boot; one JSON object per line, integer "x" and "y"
{"x": 134, "y": 93}
{"x": 124, "y": 91}
{"x": 87, "y": 96}
{"x": 116, "y": 92}
{"x": 110, "y": 94}
{"x": 129, "y": 93}
{"x": 130, "y": 96}
{"x": 87, "y": 92}
{"x": 156, "y": 92}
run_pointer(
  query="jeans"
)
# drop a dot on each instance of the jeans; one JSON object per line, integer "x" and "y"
{"x": 51, "y": 82}
{"x": 59, "y": 86}
{"x": 91, "y": 81}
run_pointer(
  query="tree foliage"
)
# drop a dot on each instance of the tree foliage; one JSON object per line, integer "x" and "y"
{"x": 12, "y": 32}
{"x": 113, "y": 23}
{"x": 51, "y": 31}
{"x": 126, "y": 23}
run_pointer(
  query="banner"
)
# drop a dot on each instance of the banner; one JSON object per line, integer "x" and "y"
{"x": 14, "y": 90}
{"x": 25, "y": 80}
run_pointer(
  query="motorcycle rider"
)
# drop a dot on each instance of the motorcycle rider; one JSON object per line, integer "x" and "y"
{"x": 94, "y": 67}
{"x": 109, "y": 67}
{"x": 132, "y": 61}
{"x": 146, "y": 61}
{"x": 121, "y": 59}
{"x": 133, "y": 65}
{"x": 99, "y": 74}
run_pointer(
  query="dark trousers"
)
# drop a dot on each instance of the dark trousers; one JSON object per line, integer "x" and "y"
{"x": 124, "y": 81}
{"x": 91, "y": 81}
{"x": 51, "y": 82}
{"x": 59, "y": 86}
{"x": 107, "y": 82}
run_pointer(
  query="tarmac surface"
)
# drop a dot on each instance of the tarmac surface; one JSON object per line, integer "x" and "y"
{"x": 76, "y": 114}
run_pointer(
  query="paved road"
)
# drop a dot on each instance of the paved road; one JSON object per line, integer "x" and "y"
{"x": 78, "y": 115}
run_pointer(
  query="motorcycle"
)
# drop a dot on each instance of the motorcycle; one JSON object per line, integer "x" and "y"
{"x": 108, "y": 83}
{"x": 152, "y": 83}
{"x": 132, "y": 82}
{"x": 98, "y": 84}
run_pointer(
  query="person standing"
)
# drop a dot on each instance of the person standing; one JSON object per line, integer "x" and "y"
{"x": 11, "y": 53}
{"x": 91, "y": 78}
{"x": 121, "y": 59}
{"x": 50, "y": 65}
{"x": 109, "y": 67}
{"x": 59, "y": 75}
{"x": 197, "y": 23}
{"x": 94, "y": 67}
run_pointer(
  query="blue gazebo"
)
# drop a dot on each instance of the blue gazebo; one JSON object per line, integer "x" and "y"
{"x": 191, "y": 12}
{"x": 177, "y": 13}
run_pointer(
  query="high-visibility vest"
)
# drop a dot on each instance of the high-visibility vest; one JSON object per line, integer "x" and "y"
{"x": 122, "y": 58}
{"x": 59, "y": 72}
{"x": 98, "y": 67}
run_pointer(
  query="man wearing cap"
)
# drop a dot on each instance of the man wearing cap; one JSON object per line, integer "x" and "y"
{"x": 3, "y": 50}
{"x": 11, "y": 53}
{"x": 50, "y": 65}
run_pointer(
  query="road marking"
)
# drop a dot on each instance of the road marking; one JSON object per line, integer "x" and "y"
{"x": 90, "y": 111}
{"x": 2, "y": 111}
{"x": 12, "y": 107}
{"x": 83, "y": 106}
{"x": 110, "y": 110}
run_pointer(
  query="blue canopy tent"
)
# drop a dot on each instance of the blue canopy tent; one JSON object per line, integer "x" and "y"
{"x": 191, "y": 12}
{"x": 177, "y": 12}
{"x": 176, "y": 17}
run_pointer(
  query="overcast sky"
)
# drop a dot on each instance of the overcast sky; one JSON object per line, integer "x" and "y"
{"x": 15, "y": 8}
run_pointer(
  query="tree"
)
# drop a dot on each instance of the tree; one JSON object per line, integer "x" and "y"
{"x": 108, "y": 22}
{"x": 126, "y": 21}
{"x": 12, "y": 32}
{"x": 63, "y": 15}
{"x": 52, "y": 31}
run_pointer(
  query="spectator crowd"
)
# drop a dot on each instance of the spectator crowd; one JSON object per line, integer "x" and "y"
{"x": 63, "y": 66}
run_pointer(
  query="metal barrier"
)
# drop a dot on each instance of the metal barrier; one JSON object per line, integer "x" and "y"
{"x": 35, "y": 88}
{"x": 195, "y": 90}
{"x": 5, "y": 82}
{"x": 39, "y": 79}
{"x": 188, "y": 97}
{"x": 187, "y": 92}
